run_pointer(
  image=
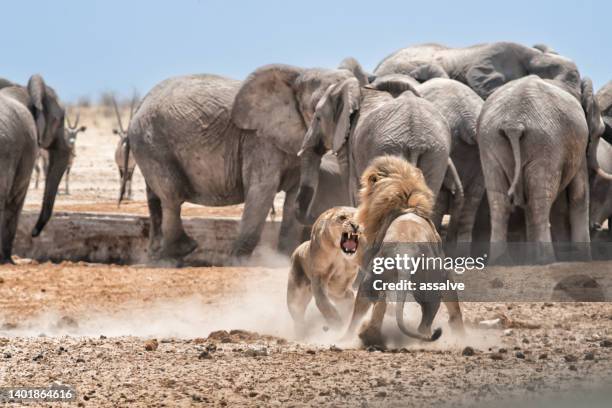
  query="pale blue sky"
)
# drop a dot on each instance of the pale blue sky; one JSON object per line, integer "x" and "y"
{"x": 83, "y": 47}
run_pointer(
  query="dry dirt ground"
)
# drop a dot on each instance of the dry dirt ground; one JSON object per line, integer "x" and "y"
{"x": 223, "y": 337}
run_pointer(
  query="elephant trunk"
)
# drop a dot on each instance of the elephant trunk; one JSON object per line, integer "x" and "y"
{"x": 309, "y": 179}
{"x": 59, "y": 156}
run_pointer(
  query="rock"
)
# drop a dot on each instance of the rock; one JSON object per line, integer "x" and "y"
{"x": 606, "y": 343}
{"x": 38, "y": 357}
{"x": 496, "y": 356}
{"x": 578, "y": 288}
{"x": 381, "y": 394}
{"x": 520, "y": 355}
{"x": 335, "y": 348}
{"x": 151, "y": 345}
{"x": 468, "y": 351}
{"x": 309, "y": 351}
{"x": 201, "y": 340}
{"x": 503, "y": 350}
{"x": 220, "y": 335}
{"x": 102, "y": 337}
{"x": 508, "y": 332}
{"x": 525, "y": 340}
{"x": 80, "y": 360}
{"x": 589, "y": 356}
{"x": 204, "y": 355}
{"x": 7, "y": 355}
{"x": 263, "y": 352}
{"x": 573, "y": 367}
{"x": 543, "y": 356}
{"x": 570, "y": 358}
{"x": 490, "y": 324}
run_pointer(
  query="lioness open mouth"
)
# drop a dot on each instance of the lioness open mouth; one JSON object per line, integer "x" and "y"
{"x": 349, "y": 242}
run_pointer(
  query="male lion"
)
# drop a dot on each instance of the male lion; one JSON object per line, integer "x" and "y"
{"x": 325, "y": 267}
{"x": 395, "y": 210}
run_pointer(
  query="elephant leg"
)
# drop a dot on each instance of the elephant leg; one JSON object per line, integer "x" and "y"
{"x": 176, "y": 244}
{"x": 537, "y": 216}
{"x": 262, "y": 177}
{"x": 155, "y": 221}
{"x": 11, "y": 219}
{"x": 371, "y": 334}
{"x": 499, "y": 205}
{"x": 473, "y": 197}
{"x": 578, "y": 190}
{"x": 290, "y": 227}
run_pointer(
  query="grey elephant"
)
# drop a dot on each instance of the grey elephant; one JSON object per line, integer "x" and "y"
{"x": 461, "y": 107}
{"x": 601, "y": 187}
{"x": 600, "y": 202}
{"x": 483, "y": 67}
{"x": 359, "y": 123}
{"x": 604, "y": 99}
{"x": 533, "y": 135}
{"x": 216, "y": 141}
{"x": 30, "y": 117}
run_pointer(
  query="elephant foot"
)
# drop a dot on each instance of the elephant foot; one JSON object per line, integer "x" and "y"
{"x": 178, "y": 249}
{"x": 7, "y": 261}
{"x": 372, "y": 337}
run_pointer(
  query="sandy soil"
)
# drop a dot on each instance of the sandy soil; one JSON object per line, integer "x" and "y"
{"x": 89, "y": 326}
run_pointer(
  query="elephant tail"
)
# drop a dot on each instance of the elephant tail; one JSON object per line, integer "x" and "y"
{"x": 514, "y": 133}
{"x": 456, "y": 180}
{"x": 399, "y": 317}
{"x": 125, "y": 177}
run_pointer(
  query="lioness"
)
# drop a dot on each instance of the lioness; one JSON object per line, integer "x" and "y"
{"x": 395, "y": 210}
{"x": 325, "y": 267}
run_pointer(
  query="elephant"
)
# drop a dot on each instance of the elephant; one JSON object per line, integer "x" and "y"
{"x": 359, "y": 123}
{"x": 30, "y": 117}
{"x": 216, "y": 141}
{"x": 604, "y": 99}
{"x": 483, "y": 67}
{"x": 461, "y": 107}
{"x": 601, "y": 191}
{"x": 600, "y": 203}
{"x": 537, "y": 142}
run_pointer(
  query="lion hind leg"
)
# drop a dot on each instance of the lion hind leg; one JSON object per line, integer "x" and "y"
{"x": 371, "y": 334}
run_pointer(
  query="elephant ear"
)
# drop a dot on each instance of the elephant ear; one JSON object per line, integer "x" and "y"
{"x": 591, "y": 109}
{"x": 266, "y": 103}
{"x": 347, "y": 100}
{"x": 351, "y": 64}
{"x": 37, "y": 90}
{"x": 426, "y": 72}
{"x": 395, "y": 84}
{"x": 484, "y": 79}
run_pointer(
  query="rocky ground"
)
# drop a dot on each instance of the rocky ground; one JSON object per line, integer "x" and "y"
{"x": 222, "y": 337}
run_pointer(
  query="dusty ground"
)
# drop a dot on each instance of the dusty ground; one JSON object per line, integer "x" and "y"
{"x": 89, "y": 326}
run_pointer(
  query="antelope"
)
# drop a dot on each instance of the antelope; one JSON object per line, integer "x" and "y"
{"x": 125, "y": 162}
{"x": 70, "y": 135}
